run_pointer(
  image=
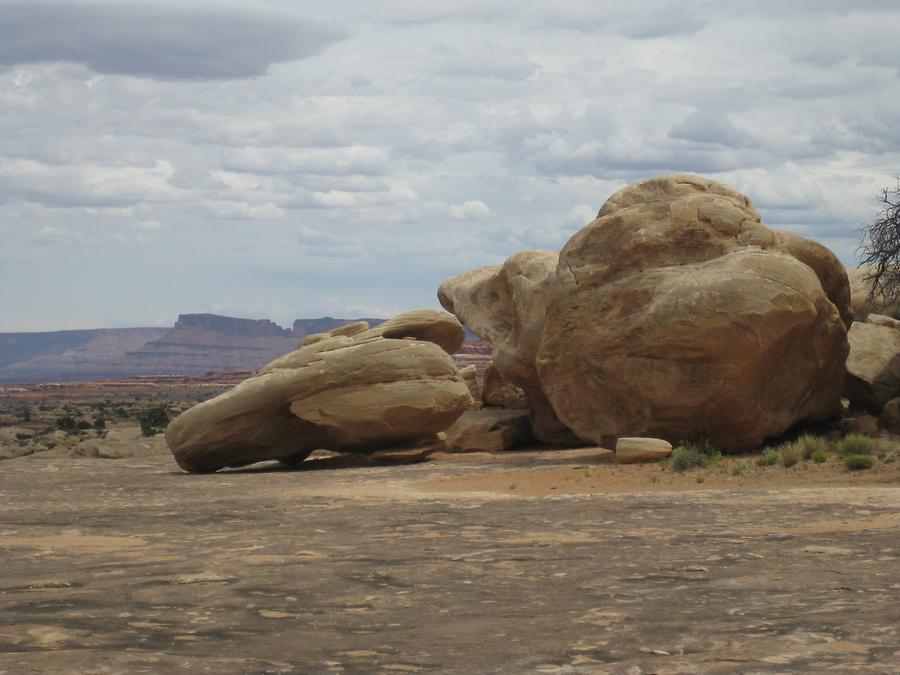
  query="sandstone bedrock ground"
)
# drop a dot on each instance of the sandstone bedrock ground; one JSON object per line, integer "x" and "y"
{"x": 132, "y": 566}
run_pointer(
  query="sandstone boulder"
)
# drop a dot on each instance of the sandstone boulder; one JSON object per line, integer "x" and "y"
{"x": 352, "y": 389}
{"x": 501, "y": 393}
{"x": 631, "y": 450}
{"x": 676, "y": 313}
{"x": 488, "y": 430}
{"x": 873, "y": 367}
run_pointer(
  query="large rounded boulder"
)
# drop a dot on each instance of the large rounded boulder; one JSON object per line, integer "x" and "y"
{"x": 674, "y": 314}
{"x": 677, "y": 314}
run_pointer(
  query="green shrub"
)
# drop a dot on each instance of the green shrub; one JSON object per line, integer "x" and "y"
{"x": 819, "y": 456}
{"x": 810, "y": 444}
{"x": 154, "y": 421}
{"x": 858, "y": 462}
{"x": 66, "y": 423}
{"x": 789, "y": 454}
{"x": 856, "y": 444}
{"x": 693, "y": 454}
{"x": 768, "y": 457}
{"x": 740, "y": 469}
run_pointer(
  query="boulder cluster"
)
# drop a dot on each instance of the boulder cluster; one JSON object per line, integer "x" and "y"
{"x": 676, "y": 314}
{"x": 355, "y": 389}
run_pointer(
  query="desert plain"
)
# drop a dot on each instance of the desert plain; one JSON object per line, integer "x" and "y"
{"x": 551, "y": 559}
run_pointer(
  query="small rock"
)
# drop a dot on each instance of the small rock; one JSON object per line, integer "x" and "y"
{"x": 629, "y": 450}
{"x": 890, "y": 416}
{"x": 867, "y": 425}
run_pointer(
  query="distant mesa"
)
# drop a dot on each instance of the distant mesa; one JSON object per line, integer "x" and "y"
{"x": 196, "y": 344}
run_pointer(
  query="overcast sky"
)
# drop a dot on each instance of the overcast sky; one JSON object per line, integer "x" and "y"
{"x": 295, "y": 159}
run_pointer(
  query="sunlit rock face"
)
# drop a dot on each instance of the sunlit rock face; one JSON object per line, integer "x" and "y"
{"x": 674, "y": 314}
{"x": 353, "y": 388}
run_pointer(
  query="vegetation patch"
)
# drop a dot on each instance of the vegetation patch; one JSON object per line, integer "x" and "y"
{"x": 694, "y": 454}
{"x": 858, "y": 462}
{"x": 856, "y": 444}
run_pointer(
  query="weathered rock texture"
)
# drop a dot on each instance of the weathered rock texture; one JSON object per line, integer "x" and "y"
{"x": 873, "y": 367}
{"x": 500, "y": 393}
{"x": 354, "y": 388}
{"x": 506, "y": 306}
{"x": 675, "y": 314}
{"x": 488, "y": 430}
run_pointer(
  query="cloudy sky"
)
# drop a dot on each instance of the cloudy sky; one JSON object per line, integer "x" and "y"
{"x": 296, "y": 159}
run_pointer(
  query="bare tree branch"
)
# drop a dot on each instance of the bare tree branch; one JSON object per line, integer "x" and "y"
{"x": 881, "y": 248}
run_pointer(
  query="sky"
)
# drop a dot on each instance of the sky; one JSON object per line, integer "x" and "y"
{"x": 290, "y": 160}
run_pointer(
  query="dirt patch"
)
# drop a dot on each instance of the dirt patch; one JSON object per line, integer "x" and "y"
{"x": 639, "y": 478}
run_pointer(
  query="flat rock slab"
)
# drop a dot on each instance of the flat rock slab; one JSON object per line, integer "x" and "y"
{"x": 132, "y": 566}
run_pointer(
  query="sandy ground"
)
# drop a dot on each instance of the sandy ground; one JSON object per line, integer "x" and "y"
{"x": 549, "y": 562}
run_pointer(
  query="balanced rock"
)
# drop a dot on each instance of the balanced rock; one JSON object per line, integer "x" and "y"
{"x": 676, "y": 313}
{"x": 352, "y": 389}
{"x": 630, "y": 450}
{"x": 873, "y": 367}
{"x": 501, "y": 393}
{"x": 488, "y": 430}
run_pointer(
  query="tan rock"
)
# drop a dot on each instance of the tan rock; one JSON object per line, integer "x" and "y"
{"x": 500, "y": 393}
{"x": 382, "y": 386}
{"x": 873, "y": 366}
{"x": 630, "y": 450}
{"x": 469, "y": 374}
{"x": 488, "y": 430}
{"x": 676, "y": 315}
{"x": 506, "y": 306}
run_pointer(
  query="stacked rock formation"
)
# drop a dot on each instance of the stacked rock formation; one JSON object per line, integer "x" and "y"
{"x": 351, "y": 389}
{"x": 674, "y": 314}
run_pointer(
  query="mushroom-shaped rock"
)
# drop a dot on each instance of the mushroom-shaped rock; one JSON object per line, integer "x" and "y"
{"x": 350, "y": 389}
{"x": 676, "y": 314}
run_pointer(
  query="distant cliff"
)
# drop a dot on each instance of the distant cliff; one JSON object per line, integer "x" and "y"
{"x": 68, "y": 354}
{"x": 196, "y": 344}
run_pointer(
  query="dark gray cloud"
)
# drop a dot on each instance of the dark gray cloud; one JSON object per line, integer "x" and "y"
{"x": 164, "y": 41}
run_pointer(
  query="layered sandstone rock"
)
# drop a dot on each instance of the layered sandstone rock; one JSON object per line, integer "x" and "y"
{"x": 675, "y": 314}
{"x": 873, "y": 367}
{"x": 488, "y": 430}
{"x": 354, "y": 388}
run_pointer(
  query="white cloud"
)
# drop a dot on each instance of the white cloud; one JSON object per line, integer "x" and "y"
{"x": 242, "y": 210}
{"x": 469, "y": 210}
{"x": 54, "y": 235}
{"x": 149, "y": 225}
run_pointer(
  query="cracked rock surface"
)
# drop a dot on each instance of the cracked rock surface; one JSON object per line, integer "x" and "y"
{"x": 132, "y": 566}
